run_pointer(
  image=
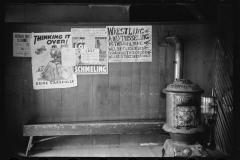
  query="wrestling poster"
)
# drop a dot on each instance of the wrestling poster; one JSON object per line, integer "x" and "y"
{"x": 129, "y": 43}
{"x": 21, "y": 45}
{"x": 90, "y": 45}
{"x": 47, "y": 69}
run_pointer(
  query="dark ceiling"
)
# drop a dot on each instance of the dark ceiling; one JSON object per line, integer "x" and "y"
{"x": 173, "y": 12}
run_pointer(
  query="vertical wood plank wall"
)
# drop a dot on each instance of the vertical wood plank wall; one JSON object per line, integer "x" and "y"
{"x": 129, "y": 91}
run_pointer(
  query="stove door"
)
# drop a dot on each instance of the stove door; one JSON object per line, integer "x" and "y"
{"x": 185, "y": 116}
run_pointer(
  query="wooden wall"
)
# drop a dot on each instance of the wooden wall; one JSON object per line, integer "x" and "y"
{"x": 65, "y": 12}
{"x": 129, "y": 91}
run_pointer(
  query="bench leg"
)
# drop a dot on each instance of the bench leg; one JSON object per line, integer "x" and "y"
{"x": 29, "y": 145}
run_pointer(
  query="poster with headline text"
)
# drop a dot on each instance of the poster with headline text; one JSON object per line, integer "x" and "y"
{"x": 21, "y": 45}
{"x": 129, "y": 43}
{"x": 47, "y": 69}
{"x": 91, "y": 50}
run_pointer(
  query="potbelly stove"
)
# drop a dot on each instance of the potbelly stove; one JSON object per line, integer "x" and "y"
{"x": 183, "y": 122}
{"x": 183, "y": 103}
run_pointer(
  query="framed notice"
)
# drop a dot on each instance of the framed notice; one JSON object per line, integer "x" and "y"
{"x": 129, "y": 43}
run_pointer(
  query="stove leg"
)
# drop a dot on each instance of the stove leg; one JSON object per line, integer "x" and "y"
{"x": 29, "y": 145}
{"x": 163, "y": 152}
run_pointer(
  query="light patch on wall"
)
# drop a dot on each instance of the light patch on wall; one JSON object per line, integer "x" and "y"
{"x": 126, "y": 7}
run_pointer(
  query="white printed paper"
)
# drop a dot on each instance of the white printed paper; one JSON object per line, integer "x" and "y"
{"x": 68, "y": 57}
{"x": 21, "y": 45}
{"x": 47, "y": 69}
{"x": 91, "y": 50}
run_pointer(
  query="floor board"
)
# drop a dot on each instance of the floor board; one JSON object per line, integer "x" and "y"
{"x": 123, "y": 151}
{"x": 100, "y": 152}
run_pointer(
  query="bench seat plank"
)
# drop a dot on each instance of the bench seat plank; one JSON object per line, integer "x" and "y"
{"x": 94, "y": 128}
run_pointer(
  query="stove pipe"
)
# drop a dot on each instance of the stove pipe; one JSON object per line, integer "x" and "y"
{"x": 179, "y": 48}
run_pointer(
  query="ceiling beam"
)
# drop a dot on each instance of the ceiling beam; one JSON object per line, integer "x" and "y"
{"x": 195, "y": 12}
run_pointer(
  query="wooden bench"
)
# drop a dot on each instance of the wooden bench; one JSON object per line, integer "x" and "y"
{"x": 91, "y": 128}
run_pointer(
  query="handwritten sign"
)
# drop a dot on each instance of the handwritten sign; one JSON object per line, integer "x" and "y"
{"x": 129, "y": 43}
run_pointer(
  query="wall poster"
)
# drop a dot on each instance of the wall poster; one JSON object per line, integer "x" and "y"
{"x": 129, "y": 43}
{"x": 47, "y": 69}
{"x": 91, "y": 50}
{"x": 21, "y": 45}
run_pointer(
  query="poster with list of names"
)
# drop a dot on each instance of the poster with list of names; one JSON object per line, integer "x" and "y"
{"x": 129, "y": 43}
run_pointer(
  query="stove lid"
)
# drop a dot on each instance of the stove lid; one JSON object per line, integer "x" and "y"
{"x": 183, "y": 85}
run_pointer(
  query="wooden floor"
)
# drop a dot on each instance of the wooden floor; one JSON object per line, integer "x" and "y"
{"x": 144, "y": 151}
{"x": 153, "y": 151}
